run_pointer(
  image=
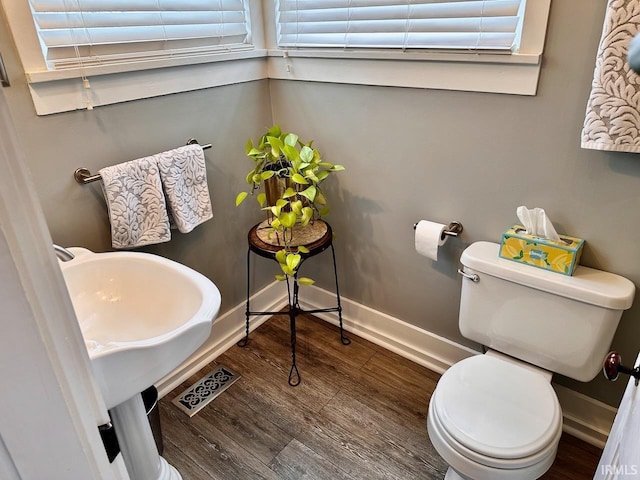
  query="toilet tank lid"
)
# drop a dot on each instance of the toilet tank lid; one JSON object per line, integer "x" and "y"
{"x": 587, "y": 285}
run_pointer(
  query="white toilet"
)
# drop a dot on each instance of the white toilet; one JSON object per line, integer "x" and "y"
{"x": 495, "y": 416}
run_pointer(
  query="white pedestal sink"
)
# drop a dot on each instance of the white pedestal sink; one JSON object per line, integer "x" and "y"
{"x": 141, "y": 316}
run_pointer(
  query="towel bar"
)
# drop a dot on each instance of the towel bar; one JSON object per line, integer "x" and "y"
{"x": 83, "y": 175}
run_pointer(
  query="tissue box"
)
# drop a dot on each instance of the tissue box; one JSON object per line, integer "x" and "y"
{"x": 560, "y": 257}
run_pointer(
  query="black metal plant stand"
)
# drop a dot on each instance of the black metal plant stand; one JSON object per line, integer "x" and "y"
{"x": 257, "y": 246}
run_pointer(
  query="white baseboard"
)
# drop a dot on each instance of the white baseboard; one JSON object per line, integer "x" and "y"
{"x": 584, "y": 417}
{"x": 427, "y": 349}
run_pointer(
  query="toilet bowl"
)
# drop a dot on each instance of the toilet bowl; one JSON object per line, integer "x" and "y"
{"x": 493, "y": 419}
{"x": 495, "y": 416}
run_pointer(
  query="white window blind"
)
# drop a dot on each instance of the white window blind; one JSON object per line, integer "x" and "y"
{"x": 402, "y": 24}
{"x": 89, "y": 32}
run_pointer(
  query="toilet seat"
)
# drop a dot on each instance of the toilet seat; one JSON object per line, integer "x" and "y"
{"x": 476, "y": 467}
{"x": 497, "y": 413}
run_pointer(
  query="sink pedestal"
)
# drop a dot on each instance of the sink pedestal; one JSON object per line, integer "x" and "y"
{"x": 138, "y": 447}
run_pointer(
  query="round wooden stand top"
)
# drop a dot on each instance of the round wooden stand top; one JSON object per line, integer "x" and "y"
{"x": 298, "y": 235}
{"x": 267, "y": 250}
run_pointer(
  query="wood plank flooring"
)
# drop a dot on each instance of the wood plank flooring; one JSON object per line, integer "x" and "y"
{"x": 359, "y": 413}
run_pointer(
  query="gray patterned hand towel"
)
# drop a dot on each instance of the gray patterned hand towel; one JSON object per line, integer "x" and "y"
{"x": 184, "y": 178}
{"x": 136, "y": 203}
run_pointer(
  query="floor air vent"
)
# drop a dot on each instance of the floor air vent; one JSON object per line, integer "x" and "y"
{"x": 205, "y": 390}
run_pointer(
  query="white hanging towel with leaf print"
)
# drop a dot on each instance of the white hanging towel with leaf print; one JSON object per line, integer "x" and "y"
{"x": 184, "y": 178}
{"x": 612, "y": 120}
{"x": 137, "y": 208}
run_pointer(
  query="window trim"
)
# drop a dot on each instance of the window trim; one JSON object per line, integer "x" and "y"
{"x": 62, "y": 90}
{"x": 55, "y": 91}
{"x": 515, "y": 73}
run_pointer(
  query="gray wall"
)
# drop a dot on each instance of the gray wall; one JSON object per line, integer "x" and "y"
{"x": 410, "y": 154}
{"x": 473, "y": 157}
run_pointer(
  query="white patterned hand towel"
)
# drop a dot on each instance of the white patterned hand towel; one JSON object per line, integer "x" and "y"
{"x": 184, "y": 178}
{"x": 611, "y": 121}
{"x": 137, "y": 208}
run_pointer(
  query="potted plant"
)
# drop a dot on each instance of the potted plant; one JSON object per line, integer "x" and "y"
{"x": 287, "y": 173}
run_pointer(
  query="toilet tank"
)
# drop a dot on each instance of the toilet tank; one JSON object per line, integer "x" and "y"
{"x": 561, "y": 323}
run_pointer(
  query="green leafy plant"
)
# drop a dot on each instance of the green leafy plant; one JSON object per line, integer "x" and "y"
{"x": 285, "y": 181}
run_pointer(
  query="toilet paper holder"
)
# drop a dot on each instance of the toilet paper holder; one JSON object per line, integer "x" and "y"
{"x": 453, "y": 230}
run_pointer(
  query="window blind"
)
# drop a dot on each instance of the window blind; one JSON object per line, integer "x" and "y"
{"x": 403, "y": 24}
{"x": 85, "y": 32}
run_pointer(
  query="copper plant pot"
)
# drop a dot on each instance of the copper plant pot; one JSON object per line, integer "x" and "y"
{"x": 274, "y": 188}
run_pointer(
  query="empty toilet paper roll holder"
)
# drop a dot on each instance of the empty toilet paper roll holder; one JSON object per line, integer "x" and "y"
{"x": 453, "y": 230}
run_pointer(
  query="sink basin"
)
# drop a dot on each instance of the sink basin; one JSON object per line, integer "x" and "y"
{"x": 141, "y": 316}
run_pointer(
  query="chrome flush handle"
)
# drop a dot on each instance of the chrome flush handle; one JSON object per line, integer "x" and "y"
{"x": 471, "y": 276}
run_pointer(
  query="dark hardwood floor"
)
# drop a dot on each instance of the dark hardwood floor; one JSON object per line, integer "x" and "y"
{"x": 359, "y": 413}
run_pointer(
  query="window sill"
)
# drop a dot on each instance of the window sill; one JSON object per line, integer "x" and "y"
{"x": 410, "y": 55}
{"x": 148, "y": 64}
